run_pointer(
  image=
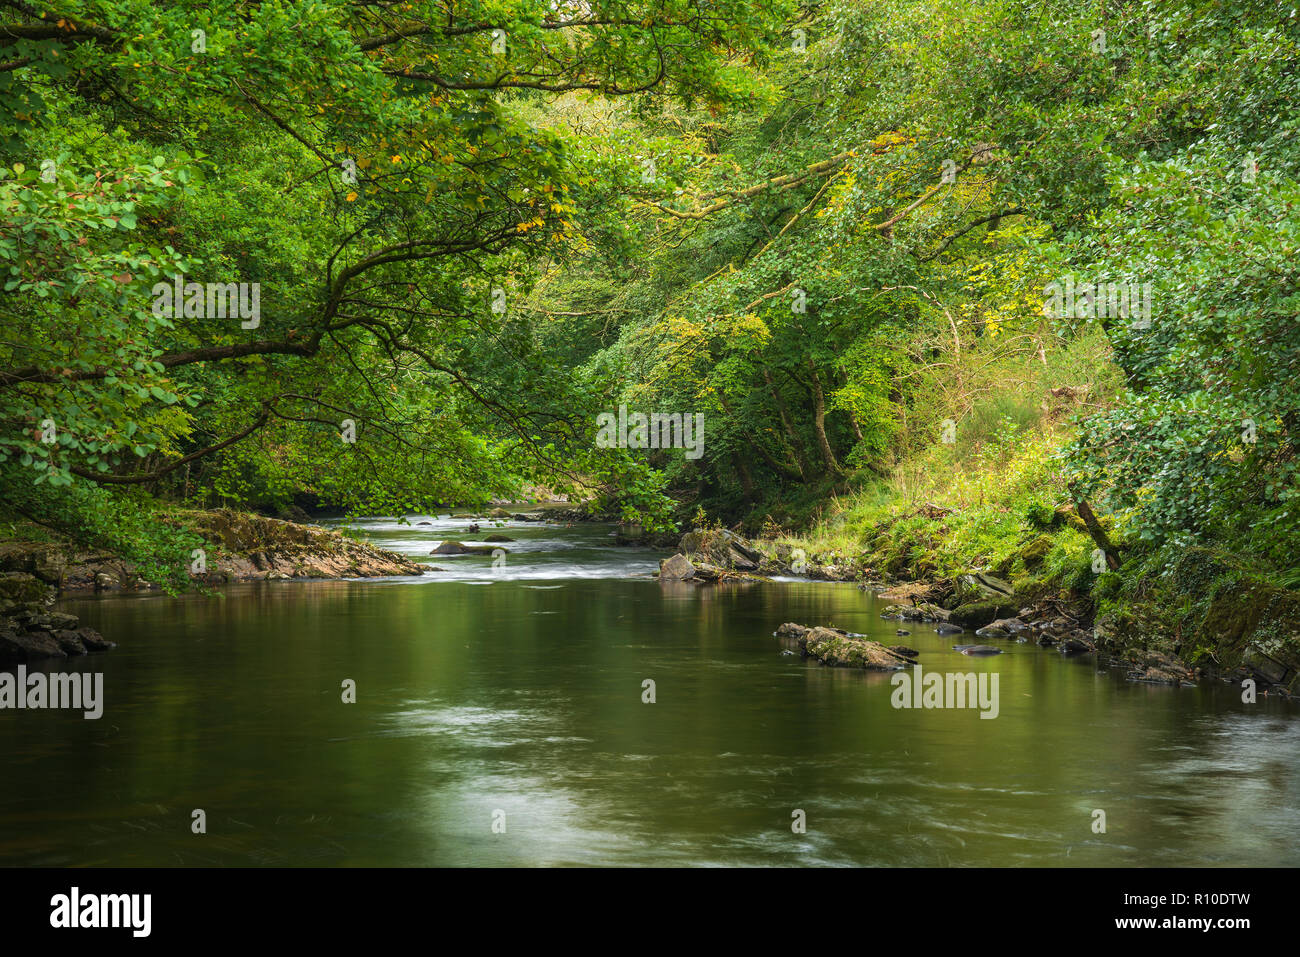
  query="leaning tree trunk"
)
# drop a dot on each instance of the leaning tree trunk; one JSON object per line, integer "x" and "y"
{"x": 819, "y": 424}
{"x": 1098, "y": 534}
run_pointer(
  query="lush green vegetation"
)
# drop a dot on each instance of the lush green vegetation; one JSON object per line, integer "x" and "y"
{"x": 833, "y": 229}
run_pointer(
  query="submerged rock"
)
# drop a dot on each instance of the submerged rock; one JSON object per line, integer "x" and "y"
{"x": 461, "y": 548}
{"x": 977, "y": 649}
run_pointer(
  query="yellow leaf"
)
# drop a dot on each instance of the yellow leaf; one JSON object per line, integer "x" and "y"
{"x": 351, "y": 196}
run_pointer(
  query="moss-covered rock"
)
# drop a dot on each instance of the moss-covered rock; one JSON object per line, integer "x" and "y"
{"x": 22, "y": 588}
{"x": 1032, "y": 555}
{"x": 840, "y": 650}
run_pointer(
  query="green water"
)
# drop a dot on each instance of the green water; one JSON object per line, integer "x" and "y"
{"x": 518, "y": 689}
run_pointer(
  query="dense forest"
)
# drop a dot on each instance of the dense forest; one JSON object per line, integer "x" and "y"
{"x": 1000, "y": 284}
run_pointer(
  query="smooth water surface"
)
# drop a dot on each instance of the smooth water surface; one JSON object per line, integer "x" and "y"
{"x": 510, "y": 689}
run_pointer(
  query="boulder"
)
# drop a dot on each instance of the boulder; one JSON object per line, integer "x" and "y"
{"x": 70, "y": 643}
{"x": 45, "y": 562}
{"x": 18, "y": 646}
{"x": 678, "y": 568}
{"x": 721, "y": 548}
{"x": 1077, "y": 645}
{"x": 23, "y": 588}
{"x": 980, "y": 614}
{"x": 460, "y": 548}
{"x": 93, "y": 640}
{"x": 977, "y": 649}
{"x": 920, "y": 612}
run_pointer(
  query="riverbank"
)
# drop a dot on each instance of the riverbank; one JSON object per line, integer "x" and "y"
{"x": 230, "y": 546}
{"x": 1165, "y": 618}
{"x": 30, "y": 631}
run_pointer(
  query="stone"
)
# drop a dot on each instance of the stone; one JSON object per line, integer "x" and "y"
{"x": 979, "y": 614}
{"x": 677, "y": 568}
{"x": 839, "y": 650}
{"x": 17, "y": 646}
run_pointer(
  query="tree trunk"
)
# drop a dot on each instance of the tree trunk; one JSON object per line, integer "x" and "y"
{"x": 1098, "y": 534}
{"x": 819, "y": 424}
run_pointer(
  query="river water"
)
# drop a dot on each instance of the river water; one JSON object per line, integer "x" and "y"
{"x": 499, "y": 720}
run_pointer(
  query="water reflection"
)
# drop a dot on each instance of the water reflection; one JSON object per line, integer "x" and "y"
{"x": 525, "y": 698}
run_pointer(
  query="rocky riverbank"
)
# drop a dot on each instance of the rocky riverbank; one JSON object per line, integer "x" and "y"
{"x": 29, "y": 631}
{"x": 1234, "y": 629}
{"x": 236, "y": 546}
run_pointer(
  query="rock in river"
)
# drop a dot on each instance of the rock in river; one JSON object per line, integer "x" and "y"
{"x": 839, "y": 649}
{"x": 460, "y": 548}
{"x": 676, "y": 569}
{"x": 977, "y": 649}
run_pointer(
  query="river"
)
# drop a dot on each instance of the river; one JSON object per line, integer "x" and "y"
{"x": 499, "y": 720}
